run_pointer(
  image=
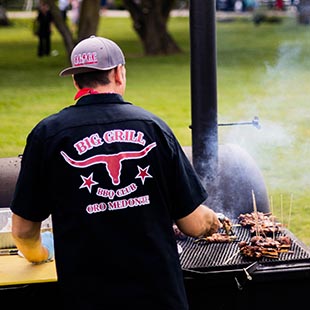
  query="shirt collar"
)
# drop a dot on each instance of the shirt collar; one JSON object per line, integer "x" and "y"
{"x": 100, "y": 98}
{"x": 83, "y": 92}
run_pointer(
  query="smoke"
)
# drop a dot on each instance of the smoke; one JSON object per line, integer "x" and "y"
{"x": 279, "y": 148}
{"x": 289, "y": 56}
{"x": 266, "y": 145}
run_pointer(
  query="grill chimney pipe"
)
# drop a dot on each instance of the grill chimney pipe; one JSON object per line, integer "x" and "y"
{"x": 229, "y": 174}
{"x": 204, "y": 95}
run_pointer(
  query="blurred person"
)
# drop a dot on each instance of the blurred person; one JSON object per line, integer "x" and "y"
{"x": 279, "y": 5}
{"x": 44, "y": 21}
{"x": 64, "y": 7}
{"x": 115, "y": 181}
{"x": 238, "y": 6}
{"x": 250, "y": 5}
{"x": 75, "y": 14}
{"x": 103, "y": 6}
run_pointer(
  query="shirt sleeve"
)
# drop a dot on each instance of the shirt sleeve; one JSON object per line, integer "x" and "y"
{"x": 30, "y": 196}
{"x": 189, "y": 191}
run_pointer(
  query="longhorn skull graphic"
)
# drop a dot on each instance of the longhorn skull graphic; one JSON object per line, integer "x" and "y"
{"x": 113, "y": 162}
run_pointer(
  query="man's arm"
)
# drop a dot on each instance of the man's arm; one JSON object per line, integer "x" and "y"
{"x": 201, "y": 222}
{"x": 27, "y": 237}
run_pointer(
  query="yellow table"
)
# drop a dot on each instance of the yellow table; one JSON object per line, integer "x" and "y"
{"x": 15, "y": 270}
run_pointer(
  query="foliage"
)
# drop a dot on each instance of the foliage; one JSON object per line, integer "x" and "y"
{"x": 12, "y": 4}
{"x": 262, "y": 71}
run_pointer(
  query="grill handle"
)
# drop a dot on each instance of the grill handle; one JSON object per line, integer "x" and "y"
{"x": 250, "y": 269}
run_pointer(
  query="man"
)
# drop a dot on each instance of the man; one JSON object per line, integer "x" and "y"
{"x": 44, "y": 23}
{"x": 115, "y": 180}
{"x": 64, "y": 7}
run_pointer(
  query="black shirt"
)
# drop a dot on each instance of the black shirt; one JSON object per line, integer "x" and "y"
{"x": 114, "y": 178}
{"x": 44, "y": 21}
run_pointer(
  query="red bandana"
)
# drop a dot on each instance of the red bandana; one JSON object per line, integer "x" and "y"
{"x": 85, "y": 91}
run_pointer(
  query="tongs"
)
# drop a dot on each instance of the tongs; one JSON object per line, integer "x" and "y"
{"x": 13, "y": 251}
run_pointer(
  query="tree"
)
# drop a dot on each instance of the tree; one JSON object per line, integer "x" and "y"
{"x": 150, "y": 18}
{"x": 3, "y": 17}
{"x": 61, "y": 26}
{"x": 89, "y": 19}
{"x": 88, "y": 22}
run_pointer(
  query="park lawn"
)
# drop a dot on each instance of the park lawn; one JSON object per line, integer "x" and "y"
{"x": 261, "y": 71}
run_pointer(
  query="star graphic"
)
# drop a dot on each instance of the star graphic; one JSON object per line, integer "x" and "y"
{"x": 88, "y": 182}
{"x": 143, "y": 174}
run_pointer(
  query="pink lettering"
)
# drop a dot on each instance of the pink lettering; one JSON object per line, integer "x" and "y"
{"x": 88, "y": 143}
{"x": 126, "y": 190}
{"x": 132, "y": 202}
{"x": 127, "y": 135}
{"x": 107, "y": 193}
{"x": 96, "y": 207}
{"x": 85, "y": 59}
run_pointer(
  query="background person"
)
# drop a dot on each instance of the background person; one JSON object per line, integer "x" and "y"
{"x": 44, "y": 22}
{"x": 103, "y": 6}
{"x": 75, "y": 14}
{"x": 64, "y": 7}
{"x": 115, "y": 180}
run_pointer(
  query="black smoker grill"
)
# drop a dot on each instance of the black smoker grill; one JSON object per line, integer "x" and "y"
{"x": 216, "y": 275}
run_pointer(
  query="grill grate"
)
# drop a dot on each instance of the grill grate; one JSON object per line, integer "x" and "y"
{"x": 205, "y": 256}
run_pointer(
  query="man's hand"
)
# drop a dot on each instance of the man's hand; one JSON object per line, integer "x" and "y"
{"x": 202, "y": 222}
{"x": 213, "y": 221}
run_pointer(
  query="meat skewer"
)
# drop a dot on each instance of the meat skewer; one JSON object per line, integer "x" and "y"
{"x": 226, "y": 236}
{"x": 290, "y": 211}
{"x": 255, "y": 212}
{"x": 260, "y": 246}
{"x": 217, "y": 237}
{"x": 260, "y": 223}
{"x": 281, "y": 205}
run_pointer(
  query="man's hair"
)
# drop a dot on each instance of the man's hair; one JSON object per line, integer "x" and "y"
{"x": 92, "y": 79}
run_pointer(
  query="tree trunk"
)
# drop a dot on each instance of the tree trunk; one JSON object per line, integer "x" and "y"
{"x": 61, "y": 26}
{"x": 150, "y": 18}
{"x": 4, "y": 21}
{"x": 88, "y": 22}
{"x": 304, "y": 12}
{"x": 89, "y": 18}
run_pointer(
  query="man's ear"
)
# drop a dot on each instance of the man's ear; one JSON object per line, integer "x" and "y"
{"x": 120, "y": 74}
{"x": 75, "y": 84}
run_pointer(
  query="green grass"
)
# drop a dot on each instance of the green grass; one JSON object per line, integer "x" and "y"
{"x": 261, "y": 71}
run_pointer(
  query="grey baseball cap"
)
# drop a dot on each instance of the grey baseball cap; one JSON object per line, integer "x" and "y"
{"x": 94, "y": 53}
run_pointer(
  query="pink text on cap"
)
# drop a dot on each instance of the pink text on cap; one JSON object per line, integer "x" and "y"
{"x": 89, "y": 58}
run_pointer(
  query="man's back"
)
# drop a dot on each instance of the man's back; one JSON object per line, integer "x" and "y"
{"x": 111, "y": 175}
{"x": 115, "y": 179}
